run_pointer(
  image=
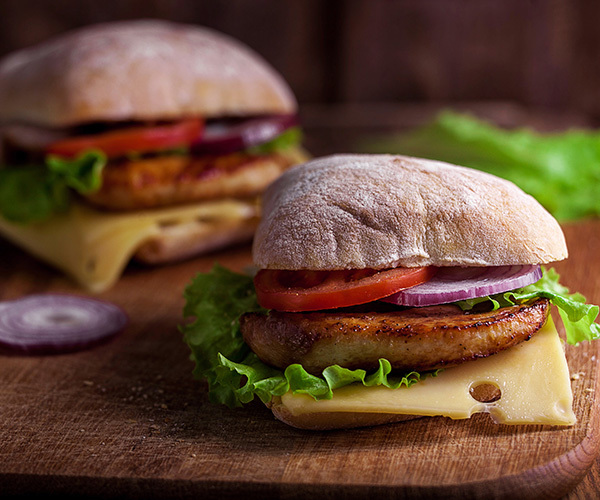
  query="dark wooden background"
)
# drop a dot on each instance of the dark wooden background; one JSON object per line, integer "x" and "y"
{"x": 535, "y": 53}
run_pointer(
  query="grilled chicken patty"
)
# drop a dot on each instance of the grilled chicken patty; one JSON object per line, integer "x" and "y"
{"x": 420, "y": 338}
{"x": 176, "y": 179}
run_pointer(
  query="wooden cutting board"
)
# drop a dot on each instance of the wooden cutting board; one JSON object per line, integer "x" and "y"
{"x": 126, "y": 419}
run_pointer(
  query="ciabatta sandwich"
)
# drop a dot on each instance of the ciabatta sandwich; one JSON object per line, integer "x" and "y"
{"x": 147, "y": 139}
{"x": 392, "y": 287}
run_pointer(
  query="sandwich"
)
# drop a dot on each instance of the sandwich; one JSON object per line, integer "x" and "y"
{"x": 146, "y": 139}
{"x": 390, "y": 288}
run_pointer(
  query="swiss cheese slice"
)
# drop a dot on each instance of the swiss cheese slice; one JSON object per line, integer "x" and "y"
{"x": 533, "y": 378}
{"x": 94, "y": 247}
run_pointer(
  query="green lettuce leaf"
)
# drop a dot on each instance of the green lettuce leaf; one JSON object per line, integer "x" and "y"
{"x": 26, "y": 196}
{"x": 215, "y": 301}
{"x": 33, "y": 193}
{"x": 560, "y": 170}
{"x": 291, "y": 137}
{"x": 577, "y": 316}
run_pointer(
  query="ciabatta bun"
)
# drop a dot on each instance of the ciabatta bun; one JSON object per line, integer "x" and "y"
{"x": 381, "y": 211}
{"x": 138, "y": 70}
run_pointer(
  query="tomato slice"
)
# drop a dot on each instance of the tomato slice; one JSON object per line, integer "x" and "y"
{"x": 295, "y": 291}
{"x": 135, "y": 139}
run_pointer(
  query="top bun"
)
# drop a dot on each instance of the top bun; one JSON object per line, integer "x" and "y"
{"x": 140, "y": 70}
{"x": 381, "y": 211}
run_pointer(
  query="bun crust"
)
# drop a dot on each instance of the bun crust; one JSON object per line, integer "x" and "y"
{"x": 140, "y": 70}
{"x": 183, "y": 241}
{"x": 380, "y": 211}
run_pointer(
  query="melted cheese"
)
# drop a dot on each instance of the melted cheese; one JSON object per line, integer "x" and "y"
{"x": 533, "y": 378}
{"x": 94, "y": 247}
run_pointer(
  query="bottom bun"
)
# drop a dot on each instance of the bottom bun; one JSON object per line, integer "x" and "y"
{"x": 333, "y": 420}
{"x": 183, "y": 241}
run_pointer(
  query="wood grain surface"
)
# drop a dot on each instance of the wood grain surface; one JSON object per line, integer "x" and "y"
{"x": 126, "y": 419}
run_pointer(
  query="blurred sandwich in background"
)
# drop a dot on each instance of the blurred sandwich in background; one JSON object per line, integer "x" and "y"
{"x": 146, "y": 139}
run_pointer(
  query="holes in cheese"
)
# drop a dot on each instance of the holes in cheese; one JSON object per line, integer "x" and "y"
{"x": 485, "y": 392}
{"x": 532, "y": 377}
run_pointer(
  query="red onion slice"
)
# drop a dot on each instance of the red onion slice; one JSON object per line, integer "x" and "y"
{"x": 220, "y": 137}
{"x": 54, "y": 323}
{"x": 459, "y": 283}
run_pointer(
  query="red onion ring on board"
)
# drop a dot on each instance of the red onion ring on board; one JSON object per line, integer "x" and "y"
{"x": 460, "y": 283}
{"x": 55, "y": 323}
{"x": 221, "y": 138}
